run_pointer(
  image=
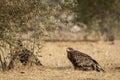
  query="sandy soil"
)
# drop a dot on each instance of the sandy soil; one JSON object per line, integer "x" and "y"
{"x": 58, "y": 67}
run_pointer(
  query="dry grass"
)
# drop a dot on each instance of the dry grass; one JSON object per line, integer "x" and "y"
{"x": 57, "y": 66}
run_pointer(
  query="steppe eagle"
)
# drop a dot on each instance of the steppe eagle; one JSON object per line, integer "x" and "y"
{"x": 82, "y": 61}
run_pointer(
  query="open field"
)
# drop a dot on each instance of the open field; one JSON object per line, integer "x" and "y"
{"x": 58, "y": 67}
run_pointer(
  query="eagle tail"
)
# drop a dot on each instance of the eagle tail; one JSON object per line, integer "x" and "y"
{"x": 98, "y": 67}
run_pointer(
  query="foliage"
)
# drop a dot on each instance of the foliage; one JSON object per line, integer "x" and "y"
{"x": 22, "y": 16}
{"x": 104, "y": 12}
{"x": 96, "y": 9}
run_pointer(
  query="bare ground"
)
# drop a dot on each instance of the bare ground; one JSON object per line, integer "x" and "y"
{"x": 58, "y": 67}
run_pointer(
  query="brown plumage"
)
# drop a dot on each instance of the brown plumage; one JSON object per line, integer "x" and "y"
{"x": 82, "y": 61}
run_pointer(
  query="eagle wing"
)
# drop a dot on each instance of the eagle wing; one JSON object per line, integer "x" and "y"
{"x": 82, "y": 60}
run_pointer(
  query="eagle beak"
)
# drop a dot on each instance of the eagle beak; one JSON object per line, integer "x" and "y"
{"x": 69, "y": 49}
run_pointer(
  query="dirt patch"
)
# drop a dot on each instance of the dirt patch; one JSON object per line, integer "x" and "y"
{"x": 56, "y": 66}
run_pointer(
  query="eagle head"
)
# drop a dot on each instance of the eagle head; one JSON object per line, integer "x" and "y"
{"x": 69, "y": 49}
